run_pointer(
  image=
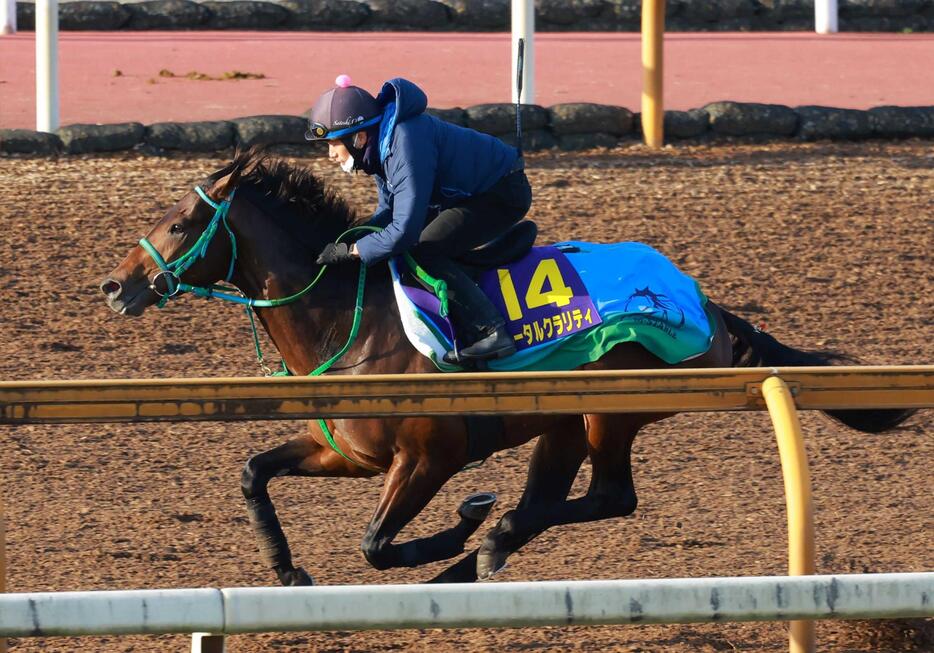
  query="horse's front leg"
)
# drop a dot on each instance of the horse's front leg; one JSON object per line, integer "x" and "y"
{"x": 411, "y": 482}
{"x": 299, "y": 457}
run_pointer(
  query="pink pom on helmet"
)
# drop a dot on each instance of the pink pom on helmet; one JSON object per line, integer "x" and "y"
{"x": 343, "y": 81}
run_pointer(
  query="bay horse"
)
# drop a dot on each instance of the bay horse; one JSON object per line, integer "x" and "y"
{"x": 265, "y": 244}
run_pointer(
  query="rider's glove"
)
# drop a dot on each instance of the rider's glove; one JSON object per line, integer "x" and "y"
{"x": 335, "y": 253}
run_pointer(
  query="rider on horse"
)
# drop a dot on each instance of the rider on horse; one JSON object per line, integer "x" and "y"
{"x": 443, "y": 190}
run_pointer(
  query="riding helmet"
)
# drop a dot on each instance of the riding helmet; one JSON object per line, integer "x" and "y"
{"x": 342, "y": 110}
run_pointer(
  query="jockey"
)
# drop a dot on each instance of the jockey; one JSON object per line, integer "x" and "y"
{"x": 443, "y": 190}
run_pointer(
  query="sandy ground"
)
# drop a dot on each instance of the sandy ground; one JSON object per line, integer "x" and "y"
{"x": 829, "y": 245}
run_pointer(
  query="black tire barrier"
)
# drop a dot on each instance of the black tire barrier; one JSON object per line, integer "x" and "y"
{"x": 479, "y": 15}
{"x": 571, "y": 126}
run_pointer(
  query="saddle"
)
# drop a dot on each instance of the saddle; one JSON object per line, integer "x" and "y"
{"x": 510, "y": 247}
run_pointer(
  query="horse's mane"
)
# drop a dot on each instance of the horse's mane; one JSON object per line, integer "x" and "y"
{"x": 284, "y": 184}
{"x": 283, "y": 191}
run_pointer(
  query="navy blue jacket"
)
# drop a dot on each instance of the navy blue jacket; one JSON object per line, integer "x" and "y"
{"x": 426, "y": 162}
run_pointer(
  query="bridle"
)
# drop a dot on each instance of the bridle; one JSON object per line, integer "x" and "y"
{"x": 172, "y": 272}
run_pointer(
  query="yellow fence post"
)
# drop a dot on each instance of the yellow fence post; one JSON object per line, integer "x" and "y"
{"x": 798, "y": 504}
{"x": 653, "y": 34}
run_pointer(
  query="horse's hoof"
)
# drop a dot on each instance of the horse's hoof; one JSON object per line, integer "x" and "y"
{"x": 490, "y": 564}
{"x": 477, "y": 506}
{"x": 297, "y": 577}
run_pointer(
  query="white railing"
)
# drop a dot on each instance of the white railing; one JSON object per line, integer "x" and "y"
{"x": 825, "y": 16}
{"x": 7, "y": 17}
{"x": 561, "y": 603}
{"x": 47, "y": 103}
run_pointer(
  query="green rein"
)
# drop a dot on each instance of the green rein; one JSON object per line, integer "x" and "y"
{"x": 173, "y": 271}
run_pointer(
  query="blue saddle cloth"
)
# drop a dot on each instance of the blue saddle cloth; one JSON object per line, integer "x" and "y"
{"x": 569, "y": 304}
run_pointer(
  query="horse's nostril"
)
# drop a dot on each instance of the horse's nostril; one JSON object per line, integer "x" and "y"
{"x": 111, "y": 288}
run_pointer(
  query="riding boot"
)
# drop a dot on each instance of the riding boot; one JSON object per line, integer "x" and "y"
{"x": 498, "y": 344}
{"x": 473, "y": 311}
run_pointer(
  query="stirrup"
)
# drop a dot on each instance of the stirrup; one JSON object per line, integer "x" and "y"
{"x": 500, "y": 342}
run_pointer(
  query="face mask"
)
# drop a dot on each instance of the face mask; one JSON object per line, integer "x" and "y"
{"x": 347, "y": 166}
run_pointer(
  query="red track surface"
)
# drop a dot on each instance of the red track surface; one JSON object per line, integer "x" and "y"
{"x": 846, "y": 70}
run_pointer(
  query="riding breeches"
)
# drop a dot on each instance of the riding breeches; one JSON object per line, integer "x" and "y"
{"x": 459, "y": 229}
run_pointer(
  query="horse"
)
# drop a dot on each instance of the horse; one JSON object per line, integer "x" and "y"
{"x": 274, "y": 220}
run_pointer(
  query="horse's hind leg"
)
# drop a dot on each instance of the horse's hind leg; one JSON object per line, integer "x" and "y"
{"x": 611, "y": 492}
{"x": 555, "y": 462}
{"x": 299, "y": 457}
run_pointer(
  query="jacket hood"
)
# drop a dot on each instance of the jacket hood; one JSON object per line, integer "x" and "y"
{"x": 410, "y": 99}
{"x": 400, "y": 100}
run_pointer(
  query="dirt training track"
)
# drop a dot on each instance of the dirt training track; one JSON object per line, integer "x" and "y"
{"x": 828, "y": 245}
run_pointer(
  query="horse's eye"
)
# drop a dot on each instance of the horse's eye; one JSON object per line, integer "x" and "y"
{"x": 176, "y": 228}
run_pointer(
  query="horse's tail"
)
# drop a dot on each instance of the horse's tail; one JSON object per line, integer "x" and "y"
{"x": 755, "y": 348}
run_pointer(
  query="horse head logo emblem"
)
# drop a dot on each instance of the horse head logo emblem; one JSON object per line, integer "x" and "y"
{"x": 656, "y": 305}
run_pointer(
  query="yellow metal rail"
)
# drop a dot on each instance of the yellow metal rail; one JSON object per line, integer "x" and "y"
{"x": 225, "y": 399}
{"x": 798, "y": 504}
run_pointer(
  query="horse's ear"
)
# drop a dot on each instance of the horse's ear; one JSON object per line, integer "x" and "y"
{"x": 221, "y": 189}
{"x": 224, "y": 186}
